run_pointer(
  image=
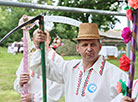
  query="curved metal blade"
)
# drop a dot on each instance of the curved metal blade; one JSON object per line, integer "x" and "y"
{"x": 20, "y": 26}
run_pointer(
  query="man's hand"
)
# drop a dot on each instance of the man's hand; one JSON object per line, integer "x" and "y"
{"x": 128, "y": 99}
{"x": 24, "y": 78}
{"x": 39, "y": 36}
{"x": 47, "y": 42}
{"x": 26, "y": 98}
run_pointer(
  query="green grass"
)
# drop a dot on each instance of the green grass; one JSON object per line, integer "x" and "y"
{"x": 116, "y": 62}
{"x": 8, "y": 66}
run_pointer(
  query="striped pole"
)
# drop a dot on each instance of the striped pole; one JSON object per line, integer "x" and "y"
{"x": 42, "y": 47}
{"x": 25, "y": 60}
{"x": 133, "y": 53}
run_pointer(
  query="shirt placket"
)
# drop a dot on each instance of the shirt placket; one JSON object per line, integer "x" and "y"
{"x": 83, "y": 82}
{"x": 86, "y": 79}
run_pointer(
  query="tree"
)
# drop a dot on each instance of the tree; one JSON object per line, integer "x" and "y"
{"x": 10, "y": 16}
{"x": 104, "y": 22}
{"x": 9, "y": 19}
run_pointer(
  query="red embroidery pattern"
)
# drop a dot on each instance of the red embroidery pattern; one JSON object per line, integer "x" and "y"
{"x": 86, "y": 82}
{"x": 53, "y": 56}
{"x": 75, "y": 67}
{"x": 38, "y": 76}
{"x": 33, "y": 97}
{"x": 134, "y": 85}
{"x": 79, "y": 82}
{"x": 102, "y": 66}
{"x": 32, "y": 75}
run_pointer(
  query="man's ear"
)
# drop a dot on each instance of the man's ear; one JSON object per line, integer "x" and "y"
{"x": 77, "y": 47}
{"x": 100, "y": 46}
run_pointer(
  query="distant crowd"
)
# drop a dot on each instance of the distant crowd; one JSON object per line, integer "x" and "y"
{"x": 15, "y": 47}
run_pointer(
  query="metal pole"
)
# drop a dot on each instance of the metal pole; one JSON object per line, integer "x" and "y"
{"x": 59, "y": 8}
{"x": 137, "y": 40}
{"x": 42, "y": 47}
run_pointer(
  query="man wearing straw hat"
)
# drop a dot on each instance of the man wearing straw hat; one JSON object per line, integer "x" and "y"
{"x": 91, "y": 79}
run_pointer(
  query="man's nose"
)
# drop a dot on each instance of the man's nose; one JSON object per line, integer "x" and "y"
{"x": 89, "y": 48}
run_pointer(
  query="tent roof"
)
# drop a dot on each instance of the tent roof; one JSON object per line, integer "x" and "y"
{"x": 111, "y": 34}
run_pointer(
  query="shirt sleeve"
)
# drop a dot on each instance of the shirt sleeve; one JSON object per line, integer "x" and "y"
{"x": 54, "y": 69}
{"x": 116, "y": 77}
{"x": 53, "y": 90}
{"x": 37, "y": 97}
{"x": 54, "y": 93}
{"x": 135, "y": 89}
{"x": 17, "y": 86}
{"x": 118, "y": 98}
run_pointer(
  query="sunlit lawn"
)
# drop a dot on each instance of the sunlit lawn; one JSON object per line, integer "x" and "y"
{"x": 8, "y": 66}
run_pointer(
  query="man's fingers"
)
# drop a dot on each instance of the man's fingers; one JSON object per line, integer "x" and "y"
{"x": 134, "y": 99}
{"x": 26, "y": 98}
{"x": 24, "y": 80}
{"x": 24, "y": 74}
{"x": 127, "y": 99}
{"x": 24, "y": 77}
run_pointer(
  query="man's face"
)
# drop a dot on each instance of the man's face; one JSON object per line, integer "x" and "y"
{"x": 89, "y": 49}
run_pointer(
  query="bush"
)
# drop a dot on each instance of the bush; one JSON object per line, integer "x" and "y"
{"x": 68, "y": 49}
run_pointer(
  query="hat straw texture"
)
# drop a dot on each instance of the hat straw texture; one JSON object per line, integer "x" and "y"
{"x": 88, "y": 31}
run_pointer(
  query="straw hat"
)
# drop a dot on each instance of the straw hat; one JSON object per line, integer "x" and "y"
{"x": 88, "y": 31}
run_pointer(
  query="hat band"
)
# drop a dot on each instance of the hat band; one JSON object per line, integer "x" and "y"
{"x": 89, "y": 36}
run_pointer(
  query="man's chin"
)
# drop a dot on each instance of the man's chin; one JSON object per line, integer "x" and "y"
{"x": 90, "y": 58}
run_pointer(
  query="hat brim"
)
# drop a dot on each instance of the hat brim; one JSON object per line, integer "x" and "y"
{"x": 88, "y": 38}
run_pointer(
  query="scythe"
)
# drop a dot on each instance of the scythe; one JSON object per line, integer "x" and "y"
{"x": 59, "y": 19}
{"x": 42, "y": 46}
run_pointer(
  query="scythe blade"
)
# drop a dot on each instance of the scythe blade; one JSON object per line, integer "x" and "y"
{"x": 62, "y": 19}
{"x": 19, "y": 27}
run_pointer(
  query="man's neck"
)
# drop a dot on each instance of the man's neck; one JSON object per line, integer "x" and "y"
{"x": 88, "y": 64}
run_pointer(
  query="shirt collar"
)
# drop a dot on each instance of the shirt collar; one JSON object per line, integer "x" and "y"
{"x": 96, "y": 67}
{"x": 99, "y": 65}
{"x": 80, "y": 66}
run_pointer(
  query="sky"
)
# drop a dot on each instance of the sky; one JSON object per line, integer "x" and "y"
{"x": 123, "y": 19}
{"x": 122, "y": 24}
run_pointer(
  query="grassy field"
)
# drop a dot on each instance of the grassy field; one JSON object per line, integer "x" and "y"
{"x": 8, "y": 66}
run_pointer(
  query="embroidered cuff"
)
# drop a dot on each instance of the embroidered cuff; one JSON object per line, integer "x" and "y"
{"x": 33, "y": 97}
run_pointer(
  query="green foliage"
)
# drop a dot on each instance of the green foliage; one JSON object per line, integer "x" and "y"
{"x": 104, "y": 21}
{"x": 10, "y": 16}
{"x": 68, "y": 49}
{"x": 64, "y": 31}
{"x": 49, "y": 2}
{"x": 9, "y": 19}
{"x": 8, "y": 66}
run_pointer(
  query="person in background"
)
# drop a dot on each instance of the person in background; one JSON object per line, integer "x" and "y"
{"x": 55, "y": 91}
{"x": 20, "y": 48}
{"x": 91, "y": 79}
{"x": 125, "y": 66}
{"x": 121, "y": 98}
{"x": 56, "y": 42}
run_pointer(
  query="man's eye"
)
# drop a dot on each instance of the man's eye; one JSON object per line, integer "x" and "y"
{"x": 93, "y": 45}
{"x": 84, "y": 45}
